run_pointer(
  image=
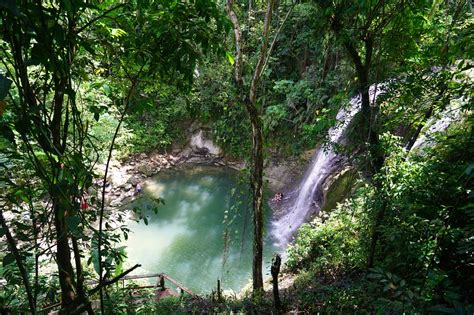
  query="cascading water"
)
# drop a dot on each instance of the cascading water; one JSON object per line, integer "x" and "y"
{"x": 436, "y": 124}
{"x": 324, "y": 163}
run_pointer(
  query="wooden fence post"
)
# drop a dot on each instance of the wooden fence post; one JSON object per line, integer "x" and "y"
{"x": 275, "y": 270}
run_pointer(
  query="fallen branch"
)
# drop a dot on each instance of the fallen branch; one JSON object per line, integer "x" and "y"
{"x": 113, "y": 280}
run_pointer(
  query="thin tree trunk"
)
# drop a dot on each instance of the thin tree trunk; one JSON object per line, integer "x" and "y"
{"x": 257, "y": 194}
{"x": 376, "y": 233}
{"x": 19, "y": 263}
{"x": 257, "y": 136}
{"x": 257, "y": 155}
{"x": 418, "y": 130}
{"x": 63, "y": 257}
{"x": 81, "y": 292}
{"x": 104, "y": 183}
{"x": 238, "y": 44}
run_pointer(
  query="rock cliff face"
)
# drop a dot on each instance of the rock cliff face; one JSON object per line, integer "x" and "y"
{"x": 338, "y": 187}
{"x": 200, "y": 143}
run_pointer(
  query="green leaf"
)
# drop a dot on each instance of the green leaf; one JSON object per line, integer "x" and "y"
{"x": 5, "y": 84}
{"x": 73, "y": 224}
{"x": 469, "y": 169}
{"x": 8, "y": 259}
{"x": 230, "y": 58}
{"x": 7, "y": 133}
{"x": 117, "y": 32}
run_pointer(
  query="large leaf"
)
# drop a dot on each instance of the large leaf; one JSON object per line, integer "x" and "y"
{"x": 73, "y": 224}
{"x": 8, "y": 259}
{"x": 5, "y": 84}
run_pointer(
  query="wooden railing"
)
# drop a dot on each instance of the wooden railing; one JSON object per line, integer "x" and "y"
{"x": 158, "y": 286}
{"x": 160, "y": 275}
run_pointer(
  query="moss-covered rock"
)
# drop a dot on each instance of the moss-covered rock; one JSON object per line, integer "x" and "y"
{"x": 338, "y": 187}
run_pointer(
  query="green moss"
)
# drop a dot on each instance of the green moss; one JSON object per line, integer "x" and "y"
{"x": 340, "y": 189}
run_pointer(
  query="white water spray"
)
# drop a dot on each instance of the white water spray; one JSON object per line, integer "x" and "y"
{"x": 324, "y": 163}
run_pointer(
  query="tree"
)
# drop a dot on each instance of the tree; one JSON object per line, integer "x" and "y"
{"x": 375, "y": 35}
{"x": 47, "y": 50}
{"x": 249, "y": 101}
{"x": 367, "y": 30}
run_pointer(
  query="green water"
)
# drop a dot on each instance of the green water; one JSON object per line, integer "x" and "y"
{"x": 186, "y": 238}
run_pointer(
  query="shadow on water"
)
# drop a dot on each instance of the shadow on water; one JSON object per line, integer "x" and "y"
{"x": 185, "y": 238}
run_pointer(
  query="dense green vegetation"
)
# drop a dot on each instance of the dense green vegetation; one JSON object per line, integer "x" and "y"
{"x": 84, "y": 82}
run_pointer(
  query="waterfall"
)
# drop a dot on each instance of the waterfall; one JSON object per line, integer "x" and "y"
{"x": 198, "y": 141}
{"x": 309, "y": 196}
{"x": 435, "y": 125}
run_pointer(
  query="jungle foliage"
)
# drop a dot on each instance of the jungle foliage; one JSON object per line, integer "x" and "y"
{"x": 82, "y": 81}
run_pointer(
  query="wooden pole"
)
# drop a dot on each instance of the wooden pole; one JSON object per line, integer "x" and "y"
{"x": 162, "y": 283}
{"x": 275, "y": 270}
{"x": 219, "y": 292}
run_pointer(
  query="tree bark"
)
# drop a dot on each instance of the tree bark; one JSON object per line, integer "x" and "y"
{"x": 238, "y": 43}
{"x": 19, "y": 263}
{"x": 250, "y": 104}
{"x": 257, "y": 204}
{"x": 63, "y": 256}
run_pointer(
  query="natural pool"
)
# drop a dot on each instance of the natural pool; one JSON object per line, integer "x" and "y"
{"x": 185, "y": 239}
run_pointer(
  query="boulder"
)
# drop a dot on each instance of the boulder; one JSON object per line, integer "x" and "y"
{"x": 116, "y": 203}
{"x": 134, "y": 180}
{"x": 146, "y": 169}
{"x": 338, "y": 187}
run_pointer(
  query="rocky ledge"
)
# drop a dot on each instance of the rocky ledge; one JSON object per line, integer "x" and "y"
{"x": 128, "y": 176}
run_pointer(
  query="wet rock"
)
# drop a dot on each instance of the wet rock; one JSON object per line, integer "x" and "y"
{"x": 200, "y": 140}
{"x": 338, "y": 187}
{"x": 201, "y": 151}
{"x": 146, "y": 169}
{"x": 116, "y": 203}
{"x": 195, "y": 159}
{"x": 134, "y": 180}
{"x": 174, "y": 158}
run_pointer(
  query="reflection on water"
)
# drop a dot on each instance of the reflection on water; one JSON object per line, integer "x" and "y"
{"x": 185, "y": 238}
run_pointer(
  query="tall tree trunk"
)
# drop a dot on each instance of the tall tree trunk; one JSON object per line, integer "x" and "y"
{"x": 250, "y": 104}
{"x": 60, "y": 199}
{"x": 257, "y": 194}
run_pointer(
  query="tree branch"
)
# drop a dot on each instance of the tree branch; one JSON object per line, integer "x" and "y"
{"x": 102, "y": 205}
{"x": 113, "y": 280}
{"x": 95, "y": 19}
{"x": 276, "y": 36}
{"x": 238, "y": 43}
{"x": 263, "y": 53}
{"x": 19, "y": 263}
